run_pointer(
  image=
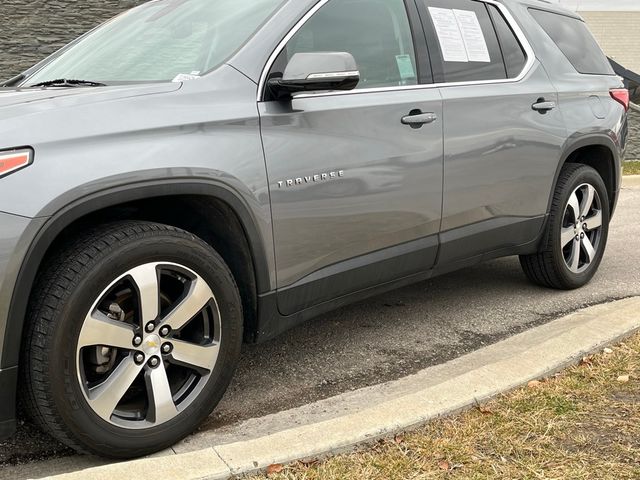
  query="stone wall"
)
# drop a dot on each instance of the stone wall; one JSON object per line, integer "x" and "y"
{"x": 30, "y": 30}
{"x": 633, "y": 149}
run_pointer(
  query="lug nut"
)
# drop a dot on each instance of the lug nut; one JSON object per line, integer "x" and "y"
{"x": 582, "y": 235}
{"x": 138, "y": 358}
{"x": 154, "y": 362}
{"x": 167, "y": 348}
{"x": 150, "y": 327}
{"x": 137, "y": 341}
{"x": 164, "y": 331}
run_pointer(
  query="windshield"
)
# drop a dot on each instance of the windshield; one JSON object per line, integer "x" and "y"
{"x": 161, "y": 40}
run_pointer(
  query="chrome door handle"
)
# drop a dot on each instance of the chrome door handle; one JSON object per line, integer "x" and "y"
{"x": 543, "y": 106}
{"x": 418, "y": 119}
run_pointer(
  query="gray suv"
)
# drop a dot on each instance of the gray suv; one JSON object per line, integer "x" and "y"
{"x": 198, "y": 173}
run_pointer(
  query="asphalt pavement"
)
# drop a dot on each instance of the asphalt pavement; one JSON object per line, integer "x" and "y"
{"x": 399, "y": 333}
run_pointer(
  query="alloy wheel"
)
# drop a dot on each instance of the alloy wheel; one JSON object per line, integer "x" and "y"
{"x": 581, "y": 233}
{"x": 148, "y": 345}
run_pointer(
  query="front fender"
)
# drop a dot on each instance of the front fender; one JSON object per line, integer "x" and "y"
{"x": 63, "y": 211}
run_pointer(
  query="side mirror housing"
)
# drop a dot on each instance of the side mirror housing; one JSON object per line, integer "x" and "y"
{"x": 314, "y": 72}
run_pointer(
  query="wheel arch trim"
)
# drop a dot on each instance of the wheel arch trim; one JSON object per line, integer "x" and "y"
{"x": 67, "y": 212}
{"x": 593, "y": 140}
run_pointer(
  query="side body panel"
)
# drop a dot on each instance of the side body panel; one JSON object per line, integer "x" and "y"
{"x": 386, "y": 193}
{"x": 500, "y": 162}
{"x": 591, "y": 116}
{"x": 500, "y": 155}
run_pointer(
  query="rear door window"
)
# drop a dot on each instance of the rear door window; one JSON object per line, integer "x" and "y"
{"x": 464, "y": 39}
{"x": 573, "y": 38}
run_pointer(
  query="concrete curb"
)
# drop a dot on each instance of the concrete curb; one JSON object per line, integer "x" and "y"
{"x": 489, "y": 371}
{"x": 630, "y": 181}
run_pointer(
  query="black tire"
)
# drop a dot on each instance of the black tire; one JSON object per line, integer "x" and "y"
{"x": 548, "y": 267}
{"x": 65, "y": 291}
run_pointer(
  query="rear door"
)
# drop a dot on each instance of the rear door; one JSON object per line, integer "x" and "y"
{"x": 503, "y": 131}
{"x": 356, "y": 194}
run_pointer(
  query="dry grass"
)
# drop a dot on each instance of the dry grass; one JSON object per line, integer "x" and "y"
{"x": 631, "y": 168}
{"x": 581, "y": 424}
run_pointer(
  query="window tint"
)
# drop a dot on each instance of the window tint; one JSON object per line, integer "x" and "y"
{"x": 512, "y": 52}
{"x": 467, "y": 41}
{"x": 375, "y": 32}
{"x": 576, "y": 42}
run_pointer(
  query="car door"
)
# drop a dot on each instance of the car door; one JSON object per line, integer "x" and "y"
{"x": 356, "y": 194}
{"x": 502, "y": 131}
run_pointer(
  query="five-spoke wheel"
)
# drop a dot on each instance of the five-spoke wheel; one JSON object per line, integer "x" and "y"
{"x": 576, "y": 234}
{"x": 135, "y": 332}
{"x": 581, "y": 228}
{"x": 148, "y": 345}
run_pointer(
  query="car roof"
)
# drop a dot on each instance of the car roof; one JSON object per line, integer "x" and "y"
{"x": 543, "y": 5}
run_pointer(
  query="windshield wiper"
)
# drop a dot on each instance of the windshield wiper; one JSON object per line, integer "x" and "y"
{"x": 65, "y": 82}
{"x": 13, "y": 81}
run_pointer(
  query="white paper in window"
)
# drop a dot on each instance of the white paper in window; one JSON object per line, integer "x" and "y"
{"x": 472, "y": 35}
{"x": 449, "y": 35}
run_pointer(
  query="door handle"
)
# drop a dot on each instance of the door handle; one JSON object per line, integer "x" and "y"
{"x": 417, "y": 119}
{"x": 543, "y": 106}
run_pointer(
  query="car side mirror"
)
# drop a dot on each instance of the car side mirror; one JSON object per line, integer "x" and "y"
{"x": 317, "y": 71}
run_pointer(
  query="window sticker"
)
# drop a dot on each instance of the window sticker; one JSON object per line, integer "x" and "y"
{"x": 405, "y": 67}
{"x": 449, "y": 35}
{"x": 474, "y": 41}
{"x": 460, "y": 35}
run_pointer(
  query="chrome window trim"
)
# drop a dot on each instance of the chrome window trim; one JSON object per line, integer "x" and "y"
{"x": 352, "y": 73}
{"x": 504, "y": 10}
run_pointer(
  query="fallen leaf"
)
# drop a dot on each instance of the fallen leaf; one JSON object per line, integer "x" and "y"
{"x": 398, "y": 439}
{"x": 534, "y": 384}
{"x": 275, "y": 468}
{"x": 485, "y": 409}
{"x": 586, "y": 361}
{"x": 608, "y": 351}
{"x": 444, "y": 465}
{"x": 623, "y": 378}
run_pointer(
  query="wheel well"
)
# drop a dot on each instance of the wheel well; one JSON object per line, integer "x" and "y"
{"x": 600, "y": 158}
{"x": 215, "y": 222}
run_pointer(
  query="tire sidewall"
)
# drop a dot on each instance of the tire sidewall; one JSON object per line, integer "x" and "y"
{"x": 91, "y": 430}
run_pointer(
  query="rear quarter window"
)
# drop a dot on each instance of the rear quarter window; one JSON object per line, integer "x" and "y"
{"x": 514, "y": 56}
{"x": 573, "y": 38}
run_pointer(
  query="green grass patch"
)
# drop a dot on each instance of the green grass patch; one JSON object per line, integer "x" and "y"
{"x": 631, "y": 168}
